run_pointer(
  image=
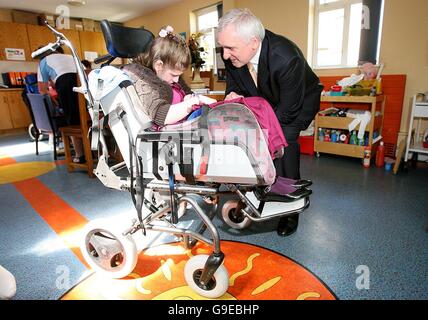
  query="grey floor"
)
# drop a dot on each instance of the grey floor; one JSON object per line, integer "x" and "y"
{"x": 360, "y": 220}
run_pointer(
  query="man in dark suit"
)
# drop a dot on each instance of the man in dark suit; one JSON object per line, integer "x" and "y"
{"x": 261, "y": 63}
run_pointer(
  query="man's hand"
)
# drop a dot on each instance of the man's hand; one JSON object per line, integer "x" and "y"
{"x": 206, "y": 100}
{"x": 232, "y": 96}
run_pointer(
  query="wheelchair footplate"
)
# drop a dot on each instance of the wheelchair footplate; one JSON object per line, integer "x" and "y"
{"x": 276, "y": 205}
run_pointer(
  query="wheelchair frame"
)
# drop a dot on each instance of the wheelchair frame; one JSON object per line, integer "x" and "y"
{"x": 243, "y": 212}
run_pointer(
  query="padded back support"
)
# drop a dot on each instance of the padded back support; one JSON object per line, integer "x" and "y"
{"x": 125, "y": 42}
{"x": 118, "y": 103}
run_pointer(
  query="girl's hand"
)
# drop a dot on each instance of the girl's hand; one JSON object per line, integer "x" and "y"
{"x": 187, "y": 97}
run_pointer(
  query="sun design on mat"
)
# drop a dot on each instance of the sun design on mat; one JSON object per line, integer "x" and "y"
{"x": 255, "y": 273}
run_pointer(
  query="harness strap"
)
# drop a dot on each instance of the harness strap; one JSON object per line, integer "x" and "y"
{"x": 155, "y": 157}
{"x": 174, "y": 215}
{"x": 203, "y": 126}
{"x": 96, "y": 116}
{"x": 137, "y": 193}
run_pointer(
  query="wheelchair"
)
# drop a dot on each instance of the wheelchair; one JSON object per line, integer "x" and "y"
{"x": 221, "y": 153}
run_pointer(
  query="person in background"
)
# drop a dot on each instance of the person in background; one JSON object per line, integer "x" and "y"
{"x": 60, "y": 69}
{"x": 157, "y": 79}
{"x": 261, "y": 63}
{"x": 87, "y": 65}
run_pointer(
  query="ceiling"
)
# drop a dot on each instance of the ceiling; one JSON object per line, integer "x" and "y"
{"x": 113, "y": 10}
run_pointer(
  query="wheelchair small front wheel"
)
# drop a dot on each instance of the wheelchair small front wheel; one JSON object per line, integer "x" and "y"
{"x": 233, "y": 218}
{"x": 107, "y": 250}
{"x": 218, "y": 284}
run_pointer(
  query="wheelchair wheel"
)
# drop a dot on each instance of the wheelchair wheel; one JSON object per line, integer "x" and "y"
{"x": 107, "y": 250}
{"x": 234, "y": 219}
{"x": 32, "y": 133}
{"x": 218, "y": 284}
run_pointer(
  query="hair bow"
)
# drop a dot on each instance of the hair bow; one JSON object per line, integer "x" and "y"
{"x": 164, "y": 32}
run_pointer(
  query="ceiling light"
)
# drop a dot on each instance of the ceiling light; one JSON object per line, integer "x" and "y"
{"x": 76, "y": 3}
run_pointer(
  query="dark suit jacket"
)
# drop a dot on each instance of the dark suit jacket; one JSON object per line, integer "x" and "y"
{"x": 285, "y": 80}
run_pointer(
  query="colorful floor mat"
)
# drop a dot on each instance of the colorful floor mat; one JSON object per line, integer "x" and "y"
{"x": 255, "y": 273}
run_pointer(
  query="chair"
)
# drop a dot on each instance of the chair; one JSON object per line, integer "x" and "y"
{"x": 45, "y": 119}
{"x": 79, "y": 131}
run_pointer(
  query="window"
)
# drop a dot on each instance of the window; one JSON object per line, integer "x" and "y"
{"x": 206, "y": 23}
{"x": 337, "y": 33}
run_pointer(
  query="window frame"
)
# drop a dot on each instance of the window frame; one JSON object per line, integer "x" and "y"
{"x": 201, "y": 12}
{"x": 318, "y": 8}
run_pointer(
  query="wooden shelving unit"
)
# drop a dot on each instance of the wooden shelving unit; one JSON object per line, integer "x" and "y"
{"x": 372, "y": 104}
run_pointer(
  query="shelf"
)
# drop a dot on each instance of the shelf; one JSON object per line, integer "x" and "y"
{"x": 352, "y": 99}
{"x": 421, "y": 110}
{"x": 11, "y": 89}
{"x": 418, "y": 147}
{"x": 341, "y": 149}
{"x": 328, "y": 122}
{"x": 343, "y": 123}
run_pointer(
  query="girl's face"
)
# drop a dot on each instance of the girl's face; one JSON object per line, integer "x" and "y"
{"x": 167, "y": 74}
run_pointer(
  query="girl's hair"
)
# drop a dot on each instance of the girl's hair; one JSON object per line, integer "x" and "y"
{"x": 171, "y": 49}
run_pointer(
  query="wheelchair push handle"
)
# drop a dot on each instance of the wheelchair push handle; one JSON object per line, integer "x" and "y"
{"x": 49, "y": 47}
{"x": 61, "y": 39}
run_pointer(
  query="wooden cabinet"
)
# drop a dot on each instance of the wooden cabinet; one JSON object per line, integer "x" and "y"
{"x": 31, "y": 37}
{"x": 14, "y": 113}
{"x": 81, "y": 40}
{"x": 375, "y": 105}
{"x": 92, "y": 41}
{"x": 40, "y": 36}
{"x": 19, "y": 113}
{"x": 74, "y": 37}
{"x": 5, "y": 120}
{"x": 14, "y": 35}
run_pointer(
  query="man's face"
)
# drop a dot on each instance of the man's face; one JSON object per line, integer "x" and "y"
{"x": 236, "y": 49}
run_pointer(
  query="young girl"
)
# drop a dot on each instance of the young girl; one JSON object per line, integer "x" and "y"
{"x": 163, "y": 93}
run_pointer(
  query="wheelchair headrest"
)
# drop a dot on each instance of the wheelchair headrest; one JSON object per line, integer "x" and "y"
{"x": 125, "y": 42}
